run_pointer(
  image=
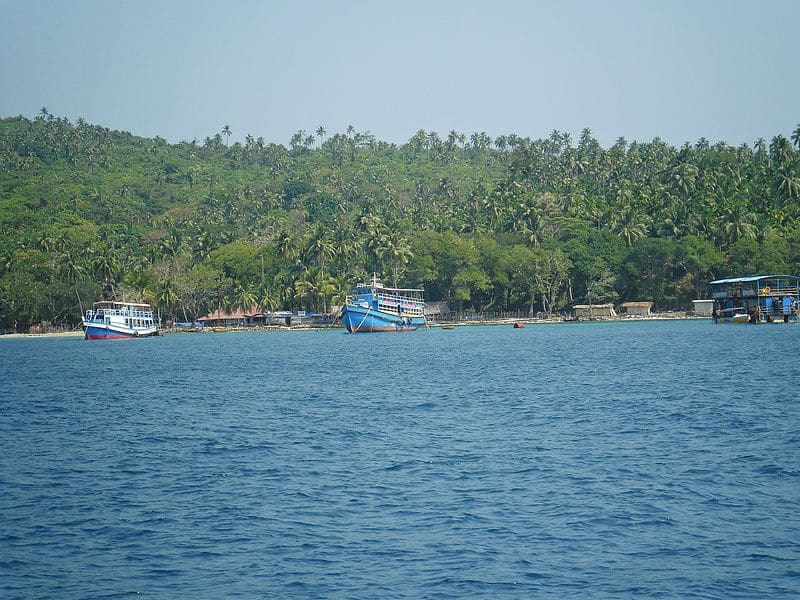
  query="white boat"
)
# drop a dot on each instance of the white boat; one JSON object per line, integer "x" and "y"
{"x": 109, "y": 320}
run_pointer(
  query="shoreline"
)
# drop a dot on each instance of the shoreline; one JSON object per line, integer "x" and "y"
{"x": 431, "y": 325}
{"x": 17, "y": 336}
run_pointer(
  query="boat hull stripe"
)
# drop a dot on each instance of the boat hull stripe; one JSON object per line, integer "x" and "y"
{"x": 360, "y": 320}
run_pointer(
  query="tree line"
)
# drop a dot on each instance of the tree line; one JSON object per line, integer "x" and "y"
{"x": 485, "y": 224}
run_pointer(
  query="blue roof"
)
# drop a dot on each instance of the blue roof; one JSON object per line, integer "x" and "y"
{"x": 755, "y": 278}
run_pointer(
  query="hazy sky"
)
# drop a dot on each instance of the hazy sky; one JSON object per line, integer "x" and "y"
{"x": 680, "y": 70}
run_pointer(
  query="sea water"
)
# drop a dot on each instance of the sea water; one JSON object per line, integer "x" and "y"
{"x": 613, "y": 460}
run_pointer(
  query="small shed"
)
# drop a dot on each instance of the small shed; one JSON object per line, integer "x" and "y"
{"x": 703, "y": 308}
{"x": 594, "y": 311}
{"x": 437, "y": 310}
{"x": 637, "y": 309}
{"x": 240, "y": 316}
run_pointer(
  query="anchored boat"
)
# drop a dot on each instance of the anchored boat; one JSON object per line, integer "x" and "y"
{"x": 108, "y": 320}
{"x": 374, "y": 307}
{"x": 760, "y": 299}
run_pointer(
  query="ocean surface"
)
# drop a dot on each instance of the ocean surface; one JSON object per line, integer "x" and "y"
{"x": 590, "y": 460}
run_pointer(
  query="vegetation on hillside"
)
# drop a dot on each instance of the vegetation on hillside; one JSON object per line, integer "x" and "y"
{"x": 487, "y": 224}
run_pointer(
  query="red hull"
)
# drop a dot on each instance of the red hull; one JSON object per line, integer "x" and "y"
{"x": 110, "y": 336}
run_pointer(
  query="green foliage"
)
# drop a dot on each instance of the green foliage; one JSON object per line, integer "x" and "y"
{"x": 504, "y": 224}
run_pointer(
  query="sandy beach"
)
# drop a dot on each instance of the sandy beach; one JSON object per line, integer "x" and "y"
{"x": 16, "y": 336}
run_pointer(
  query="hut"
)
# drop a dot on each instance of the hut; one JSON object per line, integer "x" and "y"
{"x": 236, "y": 318}
{"x": 437, "y": 310}
{"x": 703, "y": 308}
{"x": 594, "y": 311}
{"x": 637, "y": 309}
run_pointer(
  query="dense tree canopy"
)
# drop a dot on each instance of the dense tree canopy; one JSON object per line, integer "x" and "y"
{"x": 488, "y": 225}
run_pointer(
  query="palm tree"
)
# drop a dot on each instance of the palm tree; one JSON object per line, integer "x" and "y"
{"x": 173, "y": 244}
{"x": 780, "y": 151}
{"x": 246, "y": 297}
{"x": 320, "y": 247}
{"x": 267, "y": 298}
{"x": 166, "y": 295}
{"x": 72, "y": 271}
{"x": 788, "y": 186}
{"x": 394, "y": 251}
{"x": 738, "y": 223}
{"x": 298, "y": 139}
{"x": 684, "y": 177}
{"x": 285, "y": 245}
{"x": 226, "y": 131}
{"x": 630, "y": 225}
{"x": 321, "y": 133}
{"x": 106, "y": 266}
{"x": 796, "y": 137}
{"x": 304, "y": 288}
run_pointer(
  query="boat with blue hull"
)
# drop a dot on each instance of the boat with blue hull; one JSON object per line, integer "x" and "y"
{"x": 373, "y": 307}
{"x": 110, "y": 320}
{"x": 758, "y": 299}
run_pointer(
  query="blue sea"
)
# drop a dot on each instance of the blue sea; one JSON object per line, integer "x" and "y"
{"x": 589, "y": 460}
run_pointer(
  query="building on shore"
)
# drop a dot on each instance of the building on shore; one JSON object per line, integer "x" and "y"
{"x": 637, "y": 309}
{"x": 703, "y": 308}
{"x": 437, "y": 310}
{"x": 235, "y": 318}
{"x": 255, "y": 317}
{"x": 594, "y": 311}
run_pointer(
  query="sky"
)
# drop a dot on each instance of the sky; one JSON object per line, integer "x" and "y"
{"x": 726, "y": 70}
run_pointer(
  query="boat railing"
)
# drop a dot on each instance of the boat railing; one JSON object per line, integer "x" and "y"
{"x": 778, "y": 291}
{"x": 108, "y": 312}
{"x": 394, "y": 302}
{"x": 761, "y": 292}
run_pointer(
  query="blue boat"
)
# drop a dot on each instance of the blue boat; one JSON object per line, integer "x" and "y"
{"x": 109, "y": 320}
{"x": 372, "y": 307}
{"x": 759, "y": 299}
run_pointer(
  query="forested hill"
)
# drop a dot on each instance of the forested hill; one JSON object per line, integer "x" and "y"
{"x": 486, "y": 224}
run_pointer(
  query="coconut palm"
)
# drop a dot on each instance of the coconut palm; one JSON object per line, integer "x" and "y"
{"x": 320, "y": 247}
{"x": 166, "y": 296}
{"x": 788, "y": 186}
{"x": 285, "y": 245}
{"x": 630, "y": 225}
{"x": 395, "y": 253}
{"x": 780, "y": 151}
{"x": 106, "y": 266}
{"x": 246, "y": 296}
{"x": 72, "y": 272}
{"x": 267, "y": 298}
{"x": 684, "y": 178}
{"x": 737, "y": 223}
{"x": 305, "y": 289}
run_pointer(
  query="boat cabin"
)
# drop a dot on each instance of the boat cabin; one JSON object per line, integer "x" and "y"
{"x": 407, "y": 302}
{"x": 129, "y": 314}
{"x": 758, "y": 299}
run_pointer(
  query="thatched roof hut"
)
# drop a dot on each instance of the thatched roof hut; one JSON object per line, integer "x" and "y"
{"x": 637, "y": 309}
{"x": 594, "y": 311}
